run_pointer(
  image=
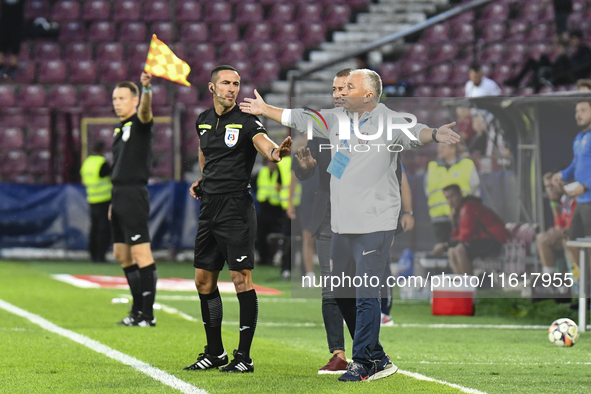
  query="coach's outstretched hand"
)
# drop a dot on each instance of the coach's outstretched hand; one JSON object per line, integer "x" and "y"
{"x": 305, "y": 159}
{"x": 253, "y": 106}
{"x": 446, "y": 135}
{"x": 282, "y": 150}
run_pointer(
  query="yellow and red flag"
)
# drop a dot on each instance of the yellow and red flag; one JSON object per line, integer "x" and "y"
{"x": 162, "y": 62}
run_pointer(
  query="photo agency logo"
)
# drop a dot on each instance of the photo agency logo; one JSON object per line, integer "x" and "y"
{"x": 349, "y": 132}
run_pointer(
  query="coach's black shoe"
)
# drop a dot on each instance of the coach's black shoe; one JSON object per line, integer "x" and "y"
{"x": 131, "y": 320}
{"x": 239, "y": 364}
{"x": 207, "y": 361}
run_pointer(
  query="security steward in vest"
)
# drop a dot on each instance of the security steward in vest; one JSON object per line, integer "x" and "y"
{"x": 229, "y": 141}
{"x": 130, "y": 209}
{"x": 96, "y": 177}
{"x": 448, "y": 169}
{"x": 270, "y": 216}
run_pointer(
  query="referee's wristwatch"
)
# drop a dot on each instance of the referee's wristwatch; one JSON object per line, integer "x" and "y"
{"x": 411, "y": 213}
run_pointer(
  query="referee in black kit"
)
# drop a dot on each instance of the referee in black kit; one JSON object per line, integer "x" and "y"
{"x": 130, "y": 204}
{"x": 229, "y": 141}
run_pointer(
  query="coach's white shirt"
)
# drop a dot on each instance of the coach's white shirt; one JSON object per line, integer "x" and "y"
{"x": 487, "y": 87}
{"x": 367, "y": 197}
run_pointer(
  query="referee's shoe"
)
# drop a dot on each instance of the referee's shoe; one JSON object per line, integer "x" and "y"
{"x": 207, "y": 361}
{"x": 240, "y": 364}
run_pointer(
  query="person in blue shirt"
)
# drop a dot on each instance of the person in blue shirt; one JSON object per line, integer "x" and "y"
{"x": 579, "y": 171}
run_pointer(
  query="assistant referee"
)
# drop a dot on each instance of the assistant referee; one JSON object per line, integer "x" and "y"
{"x": 130, "y": 205}
{"x": 229, "y": 141}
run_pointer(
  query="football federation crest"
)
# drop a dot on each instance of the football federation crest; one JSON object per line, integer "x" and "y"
{"x": 231, "y": 137}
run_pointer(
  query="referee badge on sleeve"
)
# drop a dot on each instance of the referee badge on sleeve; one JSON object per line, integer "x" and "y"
{"x": 231, "y": 136}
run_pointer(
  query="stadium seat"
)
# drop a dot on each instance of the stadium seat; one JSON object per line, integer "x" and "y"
{"x": 224, "y": 32}
{"x": 62, "y": 96}
{"x": 218, "y": 11}
{"x": 248, "y": 13}
{"x": 540, "y": 32}
{"x": 358, "y": 4}
{"x": 109, "y": 52}
{"x": 132, "y": 32}
{"x": 165, "y": 31}
{"x": 312, "y": 34}
{"x": 138, "y": 52}
{"x": 440, "y": 74}
{"x": 232, "y": 51}
{"x": 102, "y": 31}
{"x": 290, "y": 53}
{"x": 162, "y": 138}
{"x": 36, "y": 9}
{"x": 286, "y": 32}
{"x": 436, "y": 34}
{"x": 201, "y": 73}
{"x": 113, "y": 72}
{"x": 200, "y": 52}
{"x": 501, "y": 73}
{"x": 444, "y": 52}
{"x": 444, "y": 91}
{"x": 390, "y": 72}
{"x": 262, "y": 51}
{"x": 159, "y": 96}
{"x": 517, "y": 31}
{"x": 39, "y": 117}
{"x": 496, "y": 11}
{"x": 413, "y": 72}
{"x": 38, "y": 138}
{"x": 47, "y": 51}
{"x": 281, "y": 13}
{"x": 265, "y": 73}
{"x": 309, "y": 12}
{"x": 516, "y": 53}
{"x": 424, "y": 91}
{"x": 463, "y": 33}
{"x": 101, "y": 133}
{"x": 493, "y": 32}
{"x": 418, "y": 52}
{"x": 188, "y": 10}
{"x": 336, "y": 15}
{"x": 244, "y": 69}
{"x": 53, "y": 71}
{"x": 162, "y": 166}
{"x": 39, "y": 162}
{"x": 246, "y": 90}
{"x": 31, "y": 96}
{"x": 127, "y": 11}
{"x": 83, "y": 71}
{"x": 11, "y": 138}
{"x": 26, "y": 52}
{"x": 96, "y": 10}
{"x": 493, "y": 54}
{"x": 191, "y": 143}
{"x": 78, "y": 51}
{"x": 6, "y": 96}
{"x": 13, "y": 162}
{"x": 72, "y": 31}
{"x": 187, "y": 95}
{"x": 194, "y": 32}
{"x": 156, "y": 10}
{"x": 12, "y": 117}
{"x": 65, "y": 10}
{"x": 459, "y": 74}
{"x": 257, "y": 32}
{"x": 537, "y": 50}
{"x": 25, "y": 72}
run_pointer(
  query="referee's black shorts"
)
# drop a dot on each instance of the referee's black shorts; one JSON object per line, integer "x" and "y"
{"x": 226, "y": 232}
{"x": 130, "y": 211}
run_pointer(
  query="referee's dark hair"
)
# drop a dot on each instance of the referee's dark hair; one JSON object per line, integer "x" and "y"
{"x": 453, "y": 187}
{"x": 344, "y": 73}
{"x": 215, "y": 71}
{"x": 131, "y": 86}
{"x": 99, "y": 147}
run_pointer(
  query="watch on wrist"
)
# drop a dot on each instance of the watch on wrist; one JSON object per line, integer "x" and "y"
{"x": 434, "y": 135}
{"x": 411, "y": 213}
{"x": 147, "y": 89}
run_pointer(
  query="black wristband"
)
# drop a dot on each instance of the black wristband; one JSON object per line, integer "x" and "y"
{"x": 434, "y": 135}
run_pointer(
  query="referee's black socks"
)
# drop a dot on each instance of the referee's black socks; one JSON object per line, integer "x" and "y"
{"x": 249, "y": 311}
{"x": 212, "y": 314}
{"x": 132, "y": 273}
{"x": 148, "y": 279}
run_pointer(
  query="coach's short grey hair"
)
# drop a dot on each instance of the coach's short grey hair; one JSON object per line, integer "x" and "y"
{"x": 371, "y": 81}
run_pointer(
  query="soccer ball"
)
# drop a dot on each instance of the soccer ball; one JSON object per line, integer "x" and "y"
{"x": 563, "y": 332}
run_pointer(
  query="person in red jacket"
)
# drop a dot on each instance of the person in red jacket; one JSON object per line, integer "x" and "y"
{"x": 478, "y": 231}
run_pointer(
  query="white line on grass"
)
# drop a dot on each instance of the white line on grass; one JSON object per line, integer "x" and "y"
{"x": 232, "y": 299}
{"x": 98, "y": 347}
{"x": 418, "y": 376}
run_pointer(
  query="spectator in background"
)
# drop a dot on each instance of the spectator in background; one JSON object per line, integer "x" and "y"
{"x": 554, "y": 239}
{"x": 96, "y": 177}
{"x": 479, "y": 85}
{"x": 448, "y": 169}
{"x": 584, "y": 85}
{"x": 270, "y": 217}
{"x": 562, "y": 9}
{"x": 464, "y": 121}
{"x": 11, "y": 25}
{"x": 478, "y": 231}
{"x": 581, "y": 57}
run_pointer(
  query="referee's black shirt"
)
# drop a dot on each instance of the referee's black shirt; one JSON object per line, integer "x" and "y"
{"x": 226, "y": 142}
{"x": 132, "y": 152}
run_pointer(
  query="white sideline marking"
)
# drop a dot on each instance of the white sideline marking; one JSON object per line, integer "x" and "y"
{"x": 418, "y": 376}
{"x": 76, "y": 282}
{"x": 231, "y": 299}
{"x": 98, "y": 347}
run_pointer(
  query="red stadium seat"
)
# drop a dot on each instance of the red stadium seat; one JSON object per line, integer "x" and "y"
{"x": 102, "y": 133}
{"x": 53, "y": 71}
{"x": 156, "y": 10}
{"x": 496, "y": 11}
{"x": 459, "y": 74}
{"x": 218, "y": 11}
{"x": 191, "y": 143}
{"x": 39, "y": 117}
{"x": 493, "y": 54}
{"x": 281, "y": 13}
{"x": 26, "y": 52}
{"x": 113, "y": 72}
{"x": 101, "y": 31}
{"x": 248, "y": 13}
{"x": 188, "y": 10}
{"x": 516, "y": 53}
{"x": 200, "y": 52}
{"x": 540, "y": 32}
{"x": 502, "y": 72}
{"x": 290, "y": 53}
{"x": 257, "y": 32}
{"x": 96, "y": 10}
{"x": 232, "y": 51}
{"x": 517, "y": 31}
{"x": 109, "y": 52}
{"x": 159, "y": 96}
{"x": 414, "y": 72}
{"x": 265, "y": 73}
{"x": 138, "y": 52}
{"x": 201, "y": 73}
{"x": 493, "y": 32}
{"x": 417, "y": 53}
{"x": 72, "y": 31}
{"x": 537, "y": 50}
{"x": 6, "y": 96}
{"x": 127, "y": 11}
{"x": 246, "y": 90}
{"x": 13, "y": 162}
{"x": 463, "y": 33}
{"x": 11, "y": 138}
{"x": 65, "y": 10}
{"x": 187, "y": 95}
{"x": 47, "y": 51}
{"x": 336, "y": 15}
{"x": 162, "y": 138}
{"x": 286, "y": 32}
{"x": 244, "y": 69}
{"x": 39, "y": 162}
{"x": 225, "y": 32}
{"x": 36, "y": 9}
{"x": 435, "y": 34}
{"x": 440, "y": 74}
{"x": 424, "y": 91}
{"x": 444, "y": 91}
{"x": 445, "y": 52}
{"x": 83, "y": 71}
{"x": 309, "y": 12}
{"x": 312, "y": 34}
{"x": 162, "y": 167}
{"x": 390, "y": 72}
{"x": 132, "y": 32}
{"x": 12, "y": 117}
{"x": 165, "y": 31}
{"x": 78, "y": 51}
{"x": 38, "y": 138}
{"x": 25, "y": 72}
{"x": 263, "y": 51}
{"x": 194, "y": 32}
{"x": 31, "y": 96}
{"x": 62, "y": 96}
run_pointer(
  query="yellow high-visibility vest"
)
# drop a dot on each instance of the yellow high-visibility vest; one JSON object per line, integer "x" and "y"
{"x": 439, "y": 177}
{"x": 97, "y": 189}
{"x": 285, "y": 168}
{"x": 266, "y": 182}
